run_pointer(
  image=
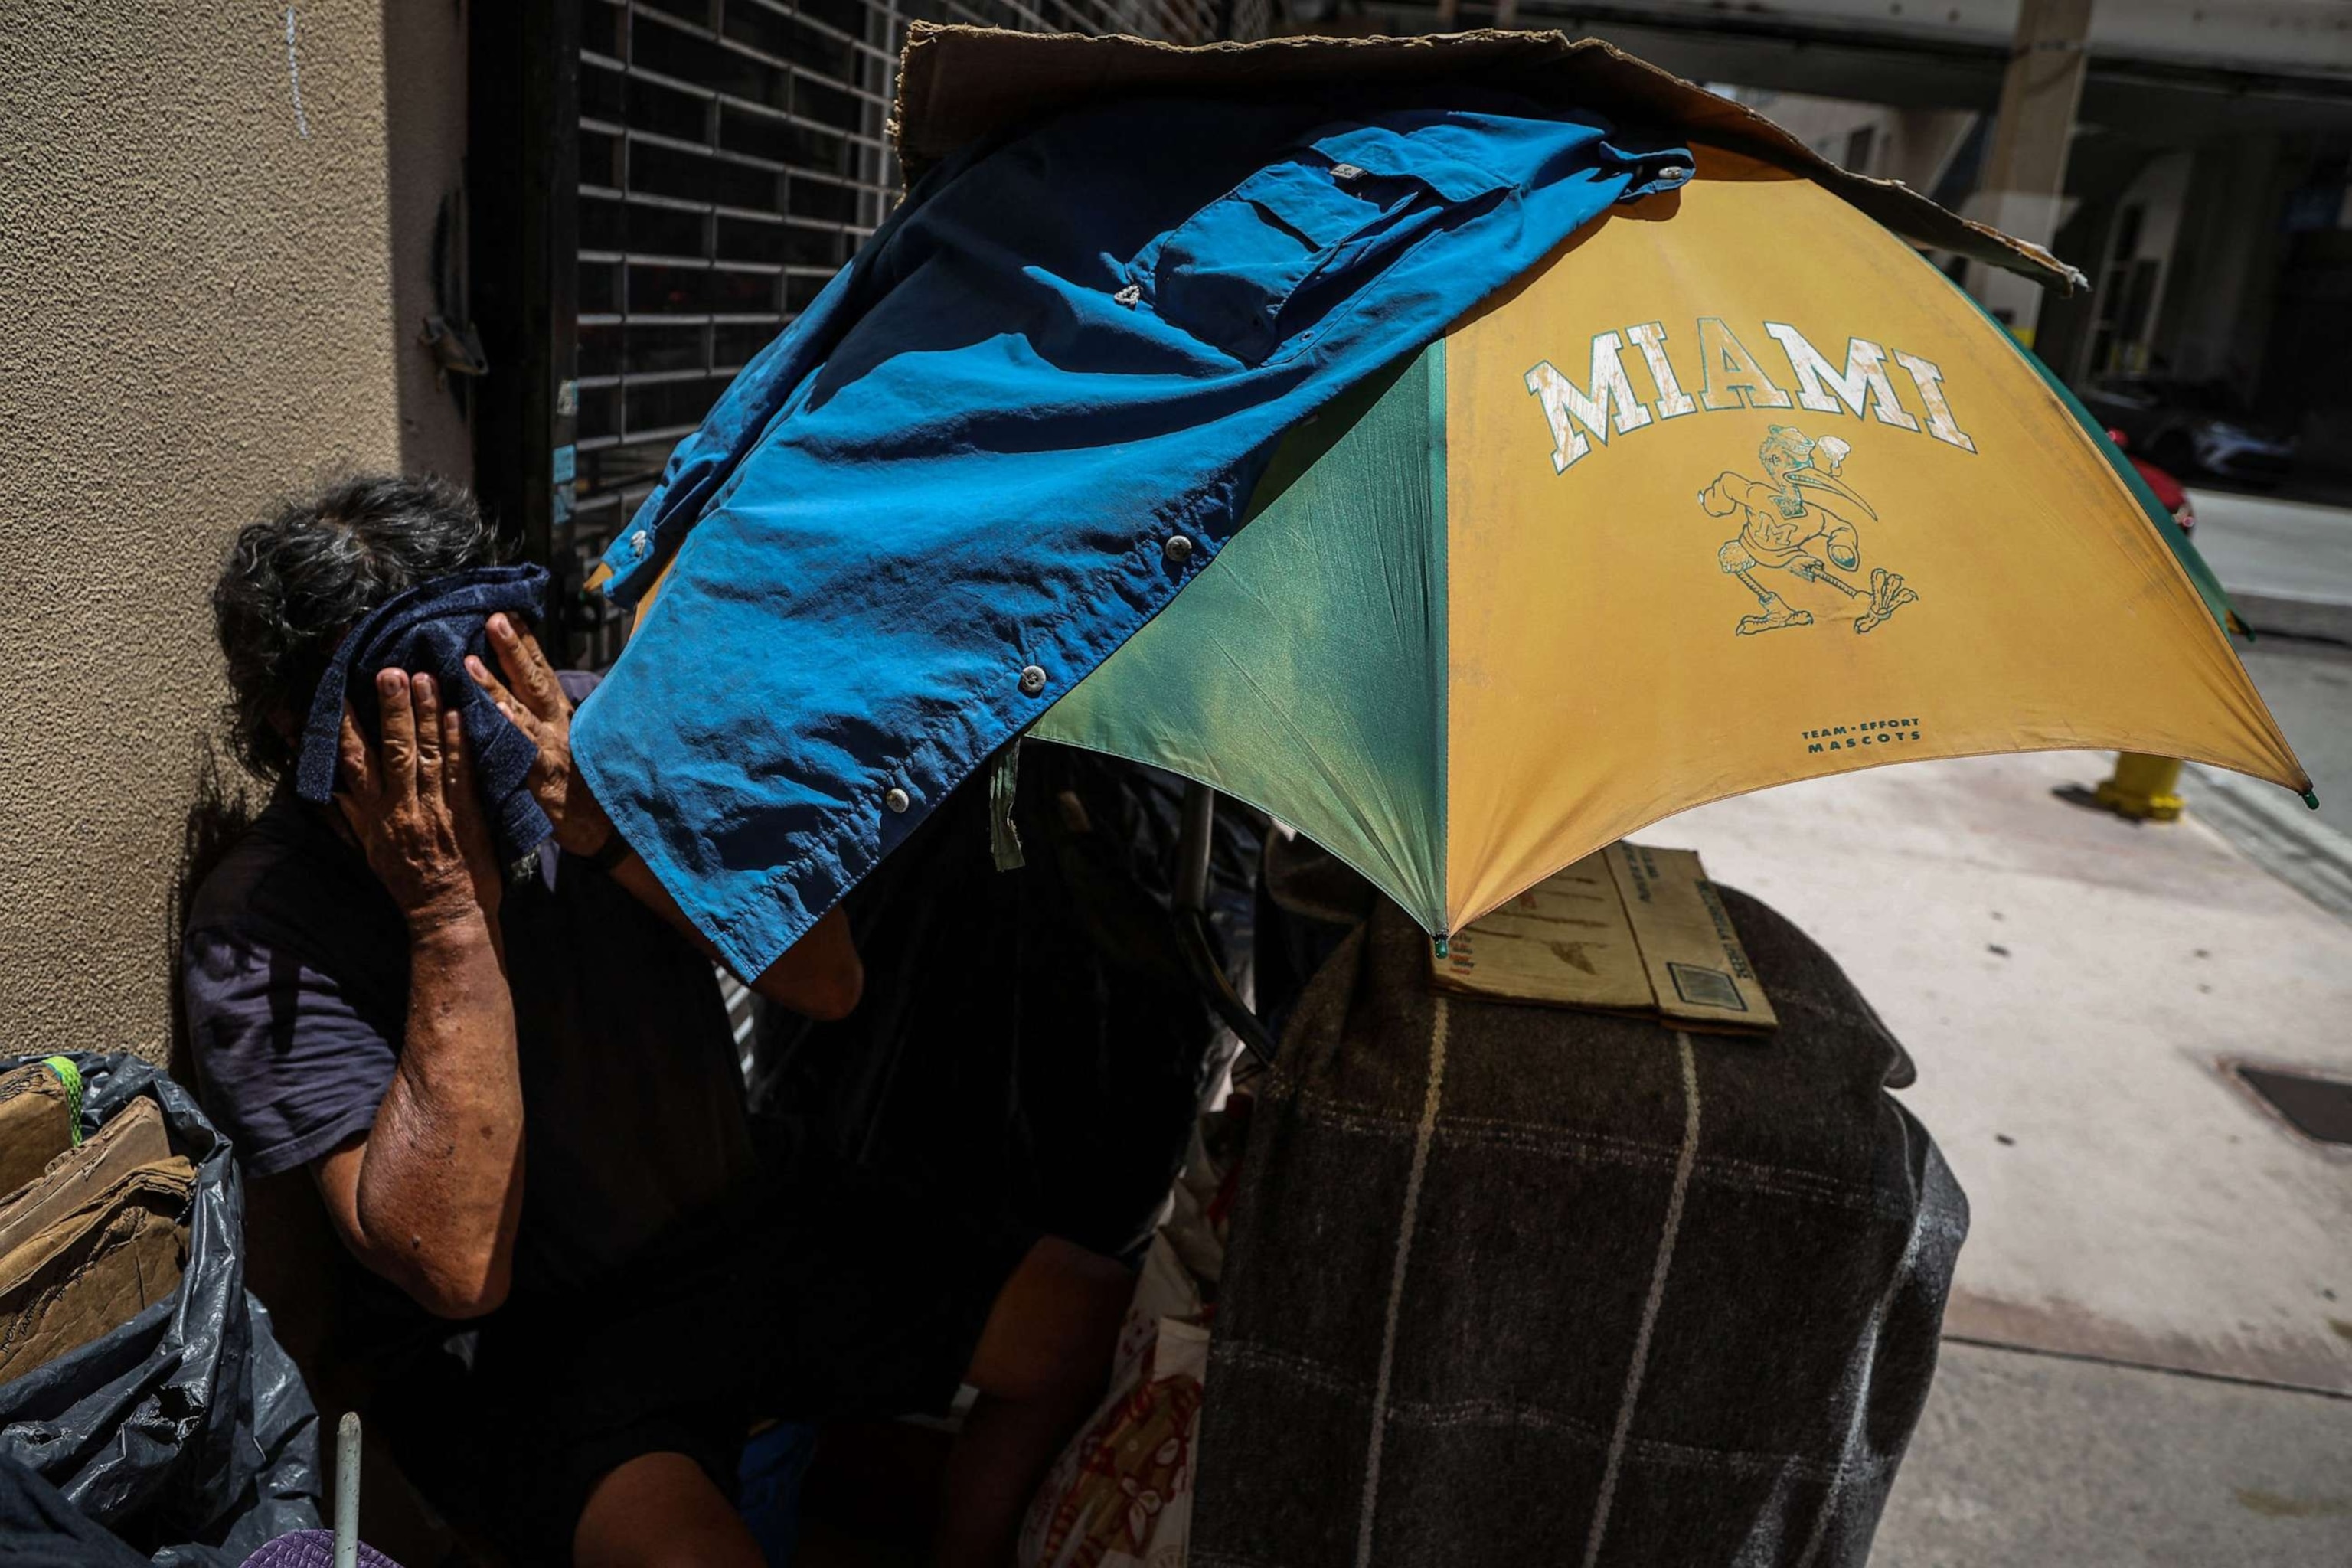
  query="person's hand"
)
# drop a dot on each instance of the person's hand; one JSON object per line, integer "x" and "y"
{"x": 411, "y": 800}
{"x": 533, "y": 701}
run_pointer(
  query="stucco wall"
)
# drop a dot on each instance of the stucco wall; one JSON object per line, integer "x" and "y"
{"x": 198, "y": 319}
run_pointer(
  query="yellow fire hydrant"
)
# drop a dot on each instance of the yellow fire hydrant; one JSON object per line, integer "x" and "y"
{"x": 2147, "y": 789}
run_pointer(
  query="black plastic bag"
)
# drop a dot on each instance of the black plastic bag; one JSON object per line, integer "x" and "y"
{"x": 187, "y": 1431}
{"x": 44, "y": 1530}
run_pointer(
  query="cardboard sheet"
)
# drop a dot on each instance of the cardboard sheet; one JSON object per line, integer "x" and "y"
{"x": 136, "y": 1137}
{"x": 1698, "y": 973}
{"x": 99, "y": 1237}
{"x": 95, "y": 1269}
{"x": 1566, "y": 940}
{"x": 1631, "y": 928}
{"x": 36, "y": 1123}
{"x": 959, "y": 84}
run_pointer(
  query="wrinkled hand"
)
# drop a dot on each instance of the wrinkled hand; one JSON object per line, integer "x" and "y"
{"x": 411, "y": 800}
{"x": 533, "y": 701}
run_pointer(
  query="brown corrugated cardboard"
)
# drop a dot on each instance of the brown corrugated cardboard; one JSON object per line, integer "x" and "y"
{"x": 135, "y": 1137}
{"x": 959, "y": 84}
{"x": 36, "y": 1123}
{"x": 96, "y": 1268}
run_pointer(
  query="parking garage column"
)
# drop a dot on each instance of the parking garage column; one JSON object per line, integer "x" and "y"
{"x": 2026, "y": 174}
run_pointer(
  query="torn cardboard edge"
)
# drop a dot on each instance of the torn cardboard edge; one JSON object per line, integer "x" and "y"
{"x": 135, "y": 1138}
{"x": 99, "y": 1238}
{"x": 39, "y": 1119}
{"x": 1629, "y": 929}
{"x": 961, "y": 84}
{"x": 96, "y": 1268}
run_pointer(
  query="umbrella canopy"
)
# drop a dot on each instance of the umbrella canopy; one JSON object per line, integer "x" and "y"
{"x": 1735, "y": 490}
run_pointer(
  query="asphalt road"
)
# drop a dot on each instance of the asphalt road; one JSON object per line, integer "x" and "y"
{"x": 2308, "y": 685}
{"x": 2288, "y": 564}
{"x": 2288, "y": 567}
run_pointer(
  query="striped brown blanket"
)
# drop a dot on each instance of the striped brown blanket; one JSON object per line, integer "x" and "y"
{"x": 1513, "y": 1285}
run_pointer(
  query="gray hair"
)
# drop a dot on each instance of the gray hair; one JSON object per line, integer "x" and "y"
{"x": 294, "y": 583}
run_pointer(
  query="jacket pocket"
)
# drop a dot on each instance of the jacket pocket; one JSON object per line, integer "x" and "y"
{"x": 1258, "y": 264}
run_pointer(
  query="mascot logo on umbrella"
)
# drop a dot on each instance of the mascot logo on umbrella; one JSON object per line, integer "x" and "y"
{"x": 1800, "y": 519}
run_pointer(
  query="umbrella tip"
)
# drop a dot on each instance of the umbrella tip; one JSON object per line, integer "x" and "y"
{"x": 2311, "y": 799}
{"x": 1440, "y": 946}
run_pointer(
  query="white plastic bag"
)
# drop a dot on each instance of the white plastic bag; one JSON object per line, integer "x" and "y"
{"x": 1121, "y": 1495}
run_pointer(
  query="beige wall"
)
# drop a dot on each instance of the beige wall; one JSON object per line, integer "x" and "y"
{"x": 198, "y": 317}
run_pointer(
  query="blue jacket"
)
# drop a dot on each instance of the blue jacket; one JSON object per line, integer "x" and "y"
{"x": 954, "y": 485}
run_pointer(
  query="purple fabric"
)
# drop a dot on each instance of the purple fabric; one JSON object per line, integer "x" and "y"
{"x": 311, "y": 1549}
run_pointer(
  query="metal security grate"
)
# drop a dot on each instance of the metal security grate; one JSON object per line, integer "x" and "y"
{"x": 733, "y": 154}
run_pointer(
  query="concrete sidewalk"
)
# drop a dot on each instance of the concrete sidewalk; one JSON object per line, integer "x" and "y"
{"x": 2075, "y": 989}
{"x": 2028, "y": 1460}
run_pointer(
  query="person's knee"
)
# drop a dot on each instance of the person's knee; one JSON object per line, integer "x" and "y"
{"x": 1054, "y": 1324}
{"x": 661, "y": 1511}
{"x": 1097, "y": 1288}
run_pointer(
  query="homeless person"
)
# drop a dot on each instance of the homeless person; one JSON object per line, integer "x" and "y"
{"x": 587, "y": 1272}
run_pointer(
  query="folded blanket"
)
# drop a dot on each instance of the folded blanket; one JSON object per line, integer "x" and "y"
{"x": 1514, "y": 1284}
{"x": 429, "y": 630}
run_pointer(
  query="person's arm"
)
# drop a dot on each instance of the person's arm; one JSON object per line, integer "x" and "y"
{"x": 430, "y": 1195}
{"x": 819, "y": 976}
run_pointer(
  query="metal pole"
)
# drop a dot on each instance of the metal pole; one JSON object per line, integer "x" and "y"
{"x": 347, "y": 1490}
{"x": 1195, "y": 836}
{"x": 1196, "y": 827}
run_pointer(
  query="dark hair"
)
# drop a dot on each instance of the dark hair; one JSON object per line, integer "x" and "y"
{"x": 294, "y": 583}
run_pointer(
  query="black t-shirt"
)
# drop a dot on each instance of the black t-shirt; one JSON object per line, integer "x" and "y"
{"x": 295, "y": 970}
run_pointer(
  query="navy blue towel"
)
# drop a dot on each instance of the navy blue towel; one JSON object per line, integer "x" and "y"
{"x": 429, "y": 630}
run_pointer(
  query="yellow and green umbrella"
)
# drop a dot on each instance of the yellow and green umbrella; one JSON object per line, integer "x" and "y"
{"x": 1738, "y": 490}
